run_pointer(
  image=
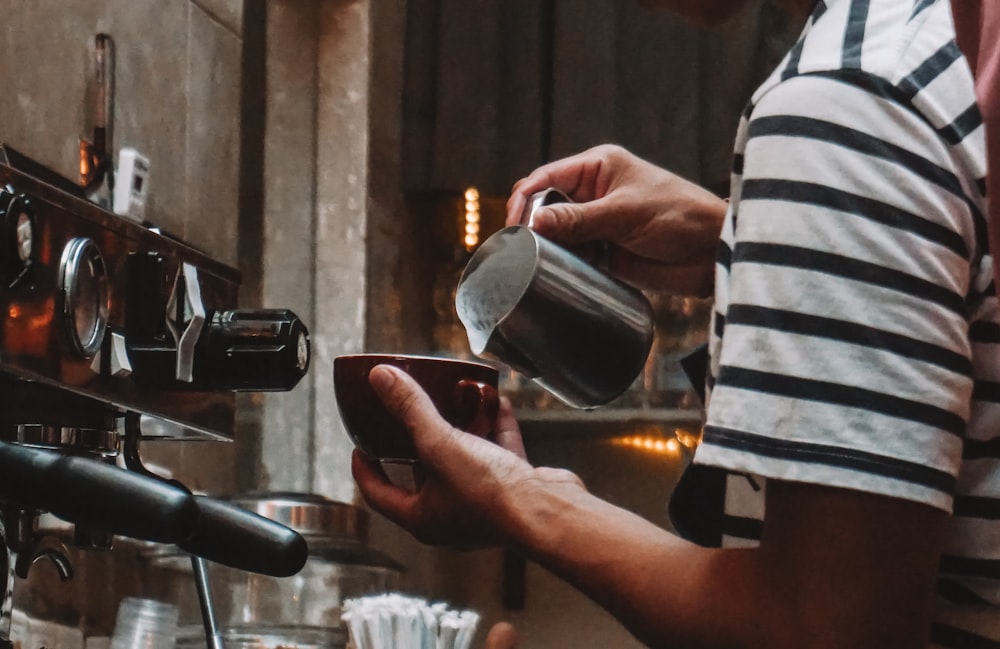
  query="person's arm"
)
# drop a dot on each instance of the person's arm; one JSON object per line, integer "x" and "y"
{"x": 820, "y": 577}
{"x": 663, "y": 229}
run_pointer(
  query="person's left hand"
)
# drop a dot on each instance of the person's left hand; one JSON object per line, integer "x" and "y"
{"x": 461, "y": 497}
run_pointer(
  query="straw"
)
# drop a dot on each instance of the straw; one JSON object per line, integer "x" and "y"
{"x": 397, "y": 621}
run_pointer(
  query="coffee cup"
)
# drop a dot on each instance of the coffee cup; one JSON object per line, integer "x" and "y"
{"x": 464, "y": 393}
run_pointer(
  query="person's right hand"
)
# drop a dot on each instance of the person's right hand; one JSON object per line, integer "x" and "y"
{"x": 663, "y": 230}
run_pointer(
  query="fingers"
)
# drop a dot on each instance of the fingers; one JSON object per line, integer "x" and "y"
{"x": 394, "y": 503}
{"x": 694, "y": 279}
{"x": 573, "y": 224}
{"x": 508, "y": 433}
{"x": 501, "y": 635}
{"x": 576, "y": 176}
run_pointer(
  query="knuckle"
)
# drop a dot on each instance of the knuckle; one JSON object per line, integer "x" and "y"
{"x": 559, "y": 475}
{"x": 609, "y": 152}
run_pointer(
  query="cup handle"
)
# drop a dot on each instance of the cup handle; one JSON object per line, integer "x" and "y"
{"x": 481, "y": 402}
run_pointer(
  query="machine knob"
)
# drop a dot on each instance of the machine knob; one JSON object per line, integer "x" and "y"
{"x": 252, "y": 350}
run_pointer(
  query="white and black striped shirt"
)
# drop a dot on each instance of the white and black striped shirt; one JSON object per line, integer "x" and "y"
{"x": 854, "y": 341}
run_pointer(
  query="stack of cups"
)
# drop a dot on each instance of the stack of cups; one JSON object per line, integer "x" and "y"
{"x": 144, "y": 624}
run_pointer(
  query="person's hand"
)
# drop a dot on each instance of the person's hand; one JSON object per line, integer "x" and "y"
{"x": 501, "y": 635}
{"x": 662, "y": 229}
{"x": 466, "y": 495}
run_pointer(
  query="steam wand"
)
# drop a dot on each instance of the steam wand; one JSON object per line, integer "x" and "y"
{"x": 212, "y": 635}
{"x": 226, "y": 534}
{"x": 133, "y": 434}
{"x": 96, "y": 165}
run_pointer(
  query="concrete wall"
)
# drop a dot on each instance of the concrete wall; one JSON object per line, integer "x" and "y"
{"x": 177, "y": 99}
{"x": 345, "y": 244}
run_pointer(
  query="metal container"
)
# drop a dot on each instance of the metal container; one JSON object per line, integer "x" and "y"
{"x": 548, "y": 314}
{"x": 254, "y": 611}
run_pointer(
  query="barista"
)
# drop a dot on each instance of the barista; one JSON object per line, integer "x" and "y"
{"x": 843, "y": 391}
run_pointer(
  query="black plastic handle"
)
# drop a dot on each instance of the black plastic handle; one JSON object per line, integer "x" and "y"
{"x": 241, "y": 539}
{"x": 88, "y": 492}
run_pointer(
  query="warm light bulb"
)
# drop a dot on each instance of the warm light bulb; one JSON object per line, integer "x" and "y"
{"x": 471, "y": 194}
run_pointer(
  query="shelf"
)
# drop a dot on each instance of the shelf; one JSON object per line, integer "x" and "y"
{"x": 602, "y": 422}
{"x": 610, "y": 415}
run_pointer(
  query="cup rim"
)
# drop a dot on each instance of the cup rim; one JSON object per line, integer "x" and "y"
{"x": 414, "y": 357}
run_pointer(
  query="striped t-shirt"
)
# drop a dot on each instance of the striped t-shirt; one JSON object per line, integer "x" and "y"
{"x": 853, "y": 341}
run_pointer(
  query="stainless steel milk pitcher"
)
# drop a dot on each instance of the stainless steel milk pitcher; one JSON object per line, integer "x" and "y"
{"x": 551, "y": 316}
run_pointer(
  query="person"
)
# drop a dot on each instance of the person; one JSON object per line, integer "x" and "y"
{"x": 977, "y": 31}
{"x": 853, "y": 389}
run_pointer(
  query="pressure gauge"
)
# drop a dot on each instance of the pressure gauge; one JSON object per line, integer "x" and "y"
{"x": 84, "y": 281}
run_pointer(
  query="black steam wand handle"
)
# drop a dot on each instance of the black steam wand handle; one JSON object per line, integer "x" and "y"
{"x": 225, "y": 533}
{"x": 240, "y": 539}
{"x": 84, "y": 491}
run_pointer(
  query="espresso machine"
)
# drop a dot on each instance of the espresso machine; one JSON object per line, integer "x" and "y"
{"x": 113, "y": 332}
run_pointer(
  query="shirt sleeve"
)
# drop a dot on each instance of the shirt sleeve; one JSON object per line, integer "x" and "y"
{"x": 840, "y": 342}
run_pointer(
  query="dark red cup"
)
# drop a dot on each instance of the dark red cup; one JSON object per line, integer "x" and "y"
{"x": 464, "y": 392}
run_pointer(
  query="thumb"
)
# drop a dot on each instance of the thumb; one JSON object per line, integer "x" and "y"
{"x": 575, "y": 223}
{"x": 407, "y": 401}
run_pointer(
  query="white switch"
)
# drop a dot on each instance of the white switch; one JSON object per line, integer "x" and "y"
{"x": 119, "y": 364}
{"x": 131, "y": 185}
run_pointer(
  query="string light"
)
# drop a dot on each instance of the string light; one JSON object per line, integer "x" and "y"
{"x": 472, "y": 219}
{"x": 655, "y": 441}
